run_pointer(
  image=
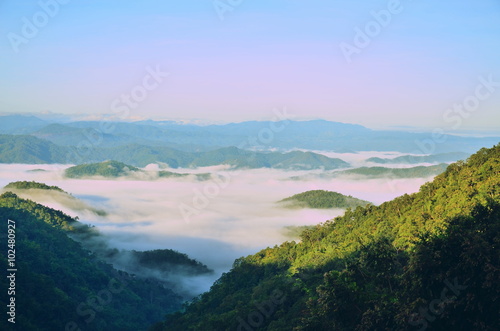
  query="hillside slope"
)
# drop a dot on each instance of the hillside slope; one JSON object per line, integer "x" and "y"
{"x": 108, "y": 169}
{"x": 425, "y": 260}
{"x": 321, "y": 199}
{"x": 60, "y": 285}
{"x": 32, "y": 150}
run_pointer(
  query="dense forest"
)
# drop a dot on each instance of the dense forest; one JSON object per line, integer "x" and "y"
{"x": 26, "y": 185}
{"x": 321, "y": 199}
{"x": 115, "y": 169}
{"x": 428, "y": 260}
{"x": 110, "y": 169}
{"x": 31, "y": 190}
{"x": 59, "y": 284}
{"x": 377, "y": 172}
{"x": 68, "y": 284}
{"x": 412, "y": 159}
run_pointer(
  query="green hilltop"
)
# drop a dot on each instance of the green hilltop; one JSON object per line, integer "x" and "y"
{"x": 24, "y": 189}
{"x": 425, "y": 260}
{"x": 26, "y": 185}
{"x": 110, "y": 169}
{"x": 115, "y": 169}
{"x": 321, "y": 199}
{"x": 413, "y": 172}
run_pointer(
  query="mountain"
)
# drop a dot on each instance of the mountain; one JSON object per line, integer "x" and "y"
{"x": 364, "y": 173}
{"x": 24, "y": 185}
{"x": 425, "y": 260}
{"x": 322, "y": 199}
{"x": 413, "y": 159}
{"x": 42, "y": 192}
{"x": 32, "y": 150}
{"x": 66, "y": 135}
{"x": 19, "y": 124}
{"x": 109, "y": 169}
{"x": 239, "y": 158}
{"x": 260, "y": 135}
{"x": 383, "y": 172}
{"x": 61, "y": 286}
{"x": 115, "y": 169}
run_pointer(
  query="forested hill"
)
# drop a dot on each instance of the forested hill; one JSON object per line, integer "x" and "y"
{"x": 115, "y": 169}
{"x": 60, "y": 286}
{"x": 111, "y": 169}
{"x": 25, "y": 185}
{"x": 425, "y": 260}
{"x": 321, "y": 199}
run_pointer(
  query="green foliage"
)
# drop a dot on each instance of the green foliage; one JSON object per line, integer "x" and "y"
{"x": 59, "y": 282}
{"x": 378, "y": 267}
{"x": 414, "y": 172}
{"x": 169, "y": 174}
{"x": 322, "y": 199}
{"x": 28, "y": 149}
{"x": 167, "y": 259}
{"x": 111, "y": 169}
{"x": 25, "y": 185}
{"x": 412, "y": 159}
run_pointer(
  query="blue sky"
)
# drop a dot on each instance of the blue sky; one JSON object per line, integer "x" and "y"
{"x": 262, "y": 55}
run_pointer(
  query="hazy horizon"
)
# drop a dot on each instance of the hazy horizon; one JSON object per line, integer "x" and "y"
{"x": 376, "y": 63}
{"x": 50, "y": 117}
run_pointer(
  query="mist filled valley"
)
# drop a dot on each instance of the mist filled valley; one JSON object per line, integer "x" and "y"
{"x": 249, "y": 165}
{"x": 215, "y": 221}
{"x": 199, "y": 233}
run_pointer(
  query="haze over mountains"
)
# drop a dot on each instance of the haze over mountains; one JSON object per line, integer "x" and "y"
{"x": 282, "y": 135}
{"x": 178, "y": 205}
{"x": 389, "y": 261}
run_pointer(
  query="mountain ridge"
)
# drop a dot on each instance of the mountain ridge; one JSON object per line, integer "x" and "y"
{"x": 376, "y": 267}
{"x": 284, "y": 135}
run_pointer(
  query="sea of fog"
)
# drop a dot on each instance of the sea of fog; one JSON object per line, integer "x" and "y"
{"x": 214, "y": 221}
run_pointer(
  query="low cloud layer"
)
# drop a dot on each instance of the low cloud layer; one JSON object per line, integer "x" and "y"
{"x": 228, "y": 218}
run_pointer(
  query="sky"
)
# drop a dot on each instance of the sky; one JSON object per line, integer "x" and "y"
{"x": 376, "y": 63}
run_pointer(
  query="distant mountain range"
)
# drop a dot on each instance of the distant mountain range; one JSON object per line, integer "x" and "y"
{"x": 284, "y": 135}
{"x": 378, "y": 172}
{"x": 414, "y": 159}
{"x": 31, "y": 150}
